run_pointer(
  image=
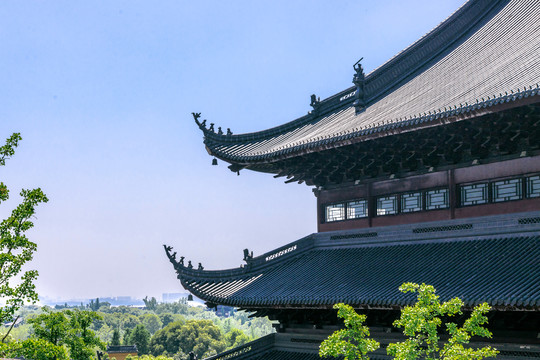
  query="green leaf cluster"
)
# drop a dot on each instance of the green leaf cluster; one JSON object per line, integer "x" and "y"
{"x": 422, "y": 325}
{"x": 36, "y": 349}
{"x": 68, "y": 328}
{"x": 200, "y": 336}
{"x": 16, "y": 286}
{"x": 149, "y": 357}
{"x": 351, "y": 342}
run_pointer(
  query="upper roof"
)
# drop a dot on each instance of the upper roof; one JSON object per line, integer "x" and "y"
{"x": 493, "y": 259}
{"x": 486, "y": 53}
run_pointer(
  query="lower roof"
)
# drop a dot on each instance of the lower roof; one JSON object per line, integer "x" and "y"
{"x": 277, "y": 347}
{"x": 494, "y": 259}
{"x": 305, "y": 346}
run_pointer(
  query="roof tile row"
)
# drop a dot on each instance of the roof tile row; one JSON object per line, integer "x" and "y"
{"x": 495, "y": 61}
{"x": 504, "y": 271}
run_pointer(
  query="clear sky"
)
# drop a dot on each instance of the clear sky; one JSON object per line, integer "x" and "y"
{"x": 102, "y": 93}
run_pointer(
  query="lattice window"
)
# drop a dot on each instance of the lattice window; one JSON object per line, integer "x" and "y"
{"x": 357, "y": 209}
{"x": 335, "y": 212}
{"x": 411, "y": 202}
{"x": 387, "y": 205}
{"x": 533, "y": 186}
{"x": 437, "y": 199}
{"x": 506, "y": 190}
{"x": 474, "y": 194}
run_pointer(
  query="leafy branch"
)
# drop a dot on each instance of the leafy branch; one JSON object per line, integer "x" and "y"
{"x": 16, "y": 250}
{"x": 421, "y": 325}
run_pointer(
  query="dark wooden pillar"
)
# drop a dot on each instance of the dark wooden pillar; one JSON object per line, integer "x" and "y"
{"x": 452, "y": 196}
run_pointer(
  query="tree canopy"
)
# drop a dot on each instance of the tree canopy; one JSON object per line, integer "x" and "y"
{"x": 422, "y": 326}
{"x": 16, "y": 286}
{"x": 200, "y": 336}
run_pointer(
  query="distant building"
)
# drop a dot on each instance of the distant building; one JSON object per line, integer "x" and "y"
{"x": 173, "y": 297}
{"x": 120, "y": 352}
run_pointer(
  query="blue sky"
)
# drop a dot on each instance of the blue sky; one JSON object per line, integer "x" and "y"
{"x": 102, "y": 93}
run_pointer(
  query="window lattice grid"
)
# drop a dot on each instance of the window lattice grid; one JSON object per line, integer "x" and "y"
{"x": 357, "y": 209}
{"x": 411, "y": 202}
{"x": 437, "y": 199}
{"x": 474, "y": 194}
{"x": 335, "y": 212}
{"x": 387, "y": 205}
{"x": 506, "y": 190}
{"x": 533, "y": 186}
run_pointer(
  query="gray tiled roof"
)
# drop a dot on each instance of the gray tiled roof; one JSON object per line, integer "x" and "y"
{"x": 122, "y": 349}
{"x": 485, "y": 54}
{"x": 494, "y": 259}
{"x": 294, "y": 346}
{"x": 268, "y": 348}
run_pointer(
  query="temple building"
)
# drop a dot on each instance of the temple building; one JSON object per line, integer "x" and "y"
{"x": 426, "y": 170}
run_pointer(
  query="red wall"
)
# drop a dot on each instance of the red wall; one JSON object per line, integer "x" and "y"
{"x": 448, "y": 179}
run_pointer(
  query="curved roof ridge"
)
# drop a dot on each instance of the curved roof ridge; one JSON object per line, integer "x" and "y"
{"x": 253, "y": 264}
{"x": 334, "y": 103}
{"x": 427, "y": 34}
{"x": 409, "y": 121}
{"x": 289, "y": 284}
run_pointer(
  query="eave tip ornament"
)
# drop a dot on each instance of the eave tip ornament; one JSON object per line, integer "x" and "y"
{"x": 202, "y": 126}
{"x": 359, "y": 80}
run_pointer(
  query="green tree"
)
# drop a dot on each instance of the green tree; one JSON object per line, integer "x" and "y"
{"x": 351, "y": 342}
{"x": 149, "y": 357}
{"x": 15, "y": 248}
{"x": 116, "y": 337}
{"x": 140, "y": 337}
{"x": 200, "y": 336}
{"x": 94, "y": 306}
{"x": 35, "y": 349}
{"x": 126, "y": 338}
{"x": 150, "y": 304}
{"x": 235, "y": 338}
{"x": 167, "y": 339}
{"x": 151, "y": 322}
{"x": 129, "y": 321}
{"x": 50, "y": 326}
{"x": 70, "y": 328}
{"x": 421, "y": 325}
{"x": 166, "y": 318}
{"x": 80, "y": 339}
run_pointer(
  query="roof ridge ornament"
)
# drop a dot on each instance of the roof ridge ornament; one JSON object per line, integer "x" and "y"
{"x": 315, "y": 104}
{"x": 201, "y": 125}
{"x": 359, "y": 80}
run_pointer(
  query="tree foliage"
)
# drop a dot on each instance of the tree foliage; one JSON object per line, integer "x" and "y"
{"x": 70, "y": 328}
{"x": 80, "y": 339}
{"x": 200, "y": 336}
{"x": 50, "y": 326}
{"x": 150, "y": 304}
{"x": 16, "y": 250}
{"x": 236, "y": 338}
{"x": 149, "y": 357}
{"x": 140, "y": 337}
{"x": 351, "y": 342}
{"x": 151, "y": 322}
{"x": 35, "y": 349}
{"x": 421, "y": 324}
{"x": 116, "y": 337}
